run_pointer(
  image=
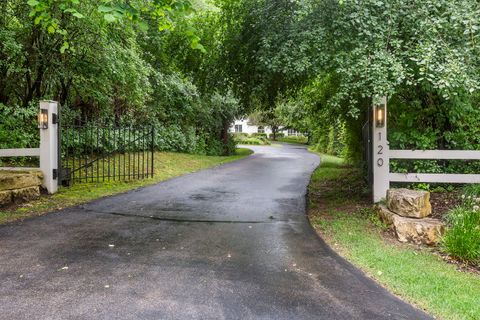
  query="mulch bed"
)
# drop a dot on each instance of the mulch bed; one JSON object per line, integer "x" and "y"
{"x": 442, "y": 202}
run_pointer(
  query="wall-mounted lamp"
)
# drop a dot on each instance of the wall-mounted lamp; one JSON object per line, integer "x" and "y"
{"x": 43, "y": 119}
{"x": 380, "y": 115}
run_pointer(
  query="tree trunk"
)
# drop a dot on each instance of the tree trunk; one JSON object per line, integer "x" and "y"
{"x": 225, "y": 137}
{"x": 274, "y": 132}
{"x": 64, "y": 90}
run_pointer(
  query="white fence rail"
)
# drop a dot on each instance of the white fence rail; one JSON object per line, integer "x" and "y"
{"x": 434, "y": 177}
{"x": 33, "y": 152}
{"x": 435, "y": 154}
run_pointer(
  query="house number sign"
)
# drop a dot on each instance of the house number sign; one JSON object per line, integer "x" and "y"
{"x": 380, "y": 161}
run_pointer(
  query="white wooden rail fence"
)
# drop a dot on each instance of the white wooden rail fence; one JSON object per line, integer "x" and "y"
{"x": 435, "y": 155}
{"x": 382, "y": 155}
{"x": 33, "y": 152}
{"x": 48, "y": 151}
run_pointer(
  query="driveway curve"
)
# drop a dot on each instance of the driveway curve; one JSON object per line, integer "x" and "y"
{"x": 231, "y": 242}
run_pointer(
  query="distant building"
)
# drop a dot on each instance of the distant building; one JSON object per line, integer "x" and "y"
{"x": 244, "y": 125}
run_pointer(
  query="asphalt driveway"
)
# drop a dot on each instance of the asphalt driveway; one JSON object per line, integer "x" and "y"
{"x": 232, "y": 242}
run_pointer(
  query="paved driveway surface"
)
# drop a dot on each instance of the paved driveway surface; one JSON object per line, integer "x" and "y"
{"x": 231, "y": 242}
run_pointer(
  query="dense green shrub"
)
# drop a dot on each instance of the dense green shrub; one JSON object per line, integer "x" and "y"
{"x": 167, "y": 138}
{"x": 255, "y": 141}
{"x": 277, "y": 135}
{"x": 240, "y": 134}
{"x": 239, "y": 137}
{"x": 472, "y": 191}
{"x": 330, "y": 140}
{"x": 216, "y": 147}
{"x": 246, "y": 139}
{"x": 294, "y": 139}
{"x": 18, "y": 127}
{"x": 102, "y": 138}
{"x": 173, "y": 138}
{"x": 259, "y": 135}
{"x": 242, "y": 139}
{"x": 462, "y": 238}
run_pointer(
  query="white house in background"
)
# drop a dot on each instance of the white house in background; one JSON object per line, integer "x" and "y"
{"x": 244, "y": 125}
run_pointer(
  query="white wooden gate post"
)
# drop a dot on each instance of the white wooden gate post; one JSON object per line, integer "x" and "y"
{"x": 49, "y": 147}
{"x": 381, "y": 161}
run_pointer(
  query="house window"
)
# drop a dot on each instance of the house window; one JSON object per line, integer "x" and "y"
{"x": 238, "y": 128}
{"x": 292, "y": 132}
{"x": 261, "y": 129}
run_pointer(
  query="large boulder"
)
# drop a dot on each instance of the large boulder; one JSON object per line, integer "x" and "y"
{"x": 409, "y": 203}
{"x": 385, "y": 215}
{"x": 5, "y": 197}
{"x": 19, "y": 186}
{"x": 420, "y": 231}
{"x": 11, "y": 180}
{"x": 25, "y": 194}
{"x": 424, "y": 231}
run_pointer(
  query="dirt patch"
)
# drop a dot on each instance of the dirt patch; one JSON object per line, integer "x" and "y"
{"x": 442, "y": 202}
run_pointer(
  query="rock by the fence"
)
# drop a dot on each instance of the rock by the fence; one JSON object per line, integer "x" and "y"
{"x": 11, "y": 180}
{"x": 420, "y": 231}
{"x": 409, "y": 203}
{"x": 5, "y": 197}
{"x": 385, "y": 215}
{"x": 25, "y": 194}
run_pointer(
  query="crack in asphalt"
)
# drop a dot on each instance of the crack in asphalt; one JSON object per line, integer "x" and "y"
{"x": 179, "y": 220}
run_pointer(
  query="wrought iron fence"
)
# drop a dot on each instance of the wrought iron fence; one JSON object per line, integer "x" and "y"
{"x": 93, "y": 152}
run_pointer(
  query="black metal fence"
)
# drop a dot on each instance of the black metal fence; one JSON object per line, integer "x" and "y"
{"x": 93, "y": 152}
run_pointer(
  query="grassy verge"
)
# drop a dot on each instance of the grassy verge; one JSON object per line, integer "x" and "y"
{"x": 341, "y": 214}
{"x": 167, "y": 165}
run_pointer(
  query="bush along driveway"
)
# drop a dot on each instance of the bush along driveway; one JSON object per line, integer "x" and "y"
{"x": 230, "y": 242}
{"x": 340, "y": 212}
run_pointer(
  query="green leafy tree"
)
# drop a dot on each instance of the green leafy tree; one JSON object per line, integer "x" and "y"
{"x": 422, "y": 55}
{"x": 50, "y": 15}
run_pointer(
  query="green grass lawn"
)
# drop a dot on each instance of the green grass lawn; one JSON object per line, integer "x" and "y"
{"x": 167, "y": 165}
{"x": 342, "y": 215}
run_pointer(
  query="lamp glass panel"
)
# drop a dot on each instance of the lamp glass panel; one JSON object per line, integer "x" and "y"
{"x": 43, "y": 119}
{"x": 380, "y": 115}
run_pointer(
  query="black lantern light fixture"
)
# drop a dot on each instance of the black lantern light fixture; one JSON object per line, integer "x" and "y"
{"x": 380, "y": 115}
{"x": 43, "y": 119}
